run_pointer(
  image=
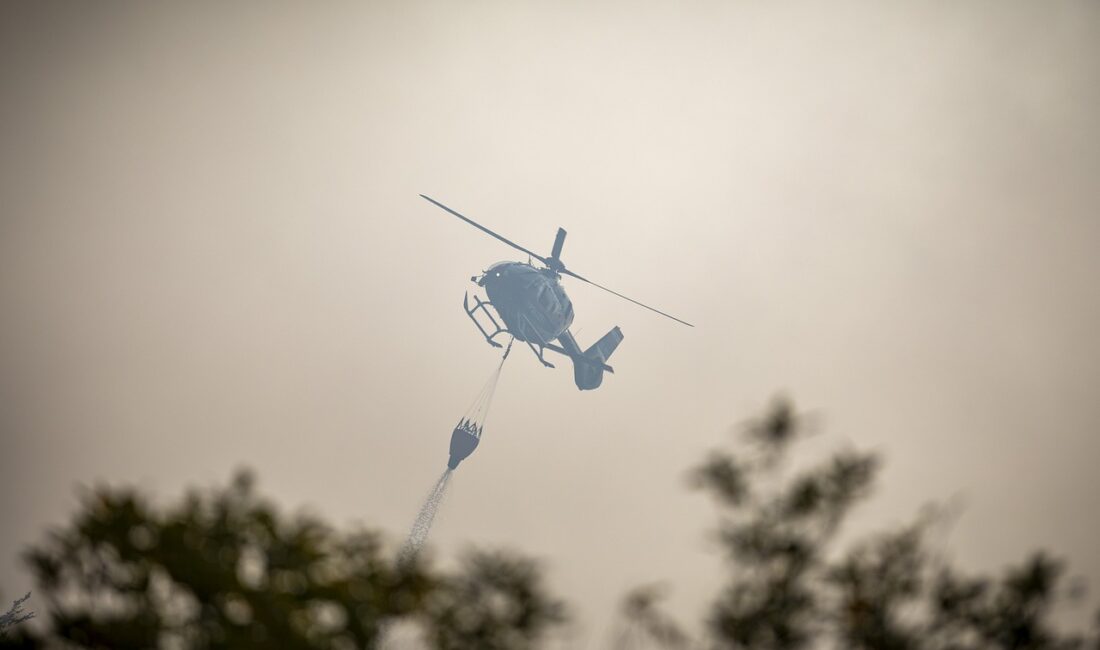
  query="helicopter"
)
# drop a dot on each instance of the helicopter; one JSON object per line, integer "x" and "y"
{"x": 532, "y": 306}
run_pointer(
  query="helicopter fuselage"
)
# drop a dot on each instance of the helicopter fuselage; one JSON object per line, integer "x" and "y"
{"x": 535, "y": 309}
{"x": 531, "y": 301}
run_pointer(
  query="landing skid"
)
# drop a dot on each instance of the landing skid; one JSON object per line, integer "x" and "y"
{"x": 496, "y": 330}
{"x": 483, "y": 305}
{"x": 538, "y": 350}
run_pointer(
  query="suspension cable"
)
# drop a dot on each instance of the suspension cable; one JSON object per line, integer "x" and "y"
{"x": 479, "y": 409}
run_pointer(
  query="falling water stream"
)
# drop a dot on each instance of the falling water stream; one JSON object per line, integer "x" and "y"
{"x": 423, "y": 524}
{"x": 388, "y": 635}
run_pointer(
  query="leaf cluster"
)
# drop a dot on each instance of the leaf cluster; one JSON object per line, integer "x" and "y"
{"x": 790, "y": 588}
{"x": 226, "y": 569}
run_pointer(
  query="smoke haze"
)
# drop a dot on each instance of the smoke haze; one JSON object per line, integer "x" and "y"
{"x": 212, "y": 254}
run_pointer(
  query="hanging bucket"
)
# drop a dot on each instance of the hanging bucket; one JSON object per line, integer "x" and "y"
{"x": 464, "y": 441}
{"x": 467, "y": 434}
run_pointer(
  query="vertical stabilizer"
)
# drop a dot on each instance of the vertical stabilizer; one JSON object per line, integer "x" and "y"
{"x": 588, "y": 366}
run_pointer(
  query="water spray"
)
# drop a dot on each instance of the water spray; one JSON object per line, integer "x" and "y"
{"x": 423, "y": 524}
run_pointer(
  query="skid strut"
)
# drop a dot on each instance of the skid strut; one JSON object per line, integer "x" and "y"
{"x": 538, "y": 350}
{"x": 483, "y": 306}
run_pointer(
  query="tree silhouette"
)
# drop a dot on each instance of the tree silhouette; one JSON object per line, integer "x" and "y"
{"x": 226, "y": 569}
{"x": 789, "y": 588}
{"x": 497, "y": 604}
{"x": 15, "y": 614}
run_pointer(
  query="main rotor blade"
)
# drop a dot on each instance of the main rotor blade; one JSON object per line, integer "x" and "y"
{"x": 574, "y": 275}
{"x": 486, "y": 230}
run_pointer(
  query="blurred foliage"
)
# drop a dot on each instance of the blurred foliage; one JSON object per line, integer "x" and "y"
{"x": 225, "y": 569}
{"x": 15, "y": 614}
{"x": 645, "y": 623}
{"x": 496, "y": 603}
{"x": 788, "y": 587}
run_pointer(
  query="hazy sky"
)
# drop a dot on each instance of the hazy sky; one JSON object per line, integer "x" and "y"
{"x": 212, "y": 254}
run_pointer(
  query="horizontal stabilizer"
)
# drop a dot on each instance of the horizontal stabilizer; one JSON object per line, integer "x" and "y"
{"x": 589, "y": 375}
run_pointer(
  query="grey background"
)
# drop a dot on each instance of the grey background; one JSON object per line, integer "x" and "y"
{"x": 212, "y": 254}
